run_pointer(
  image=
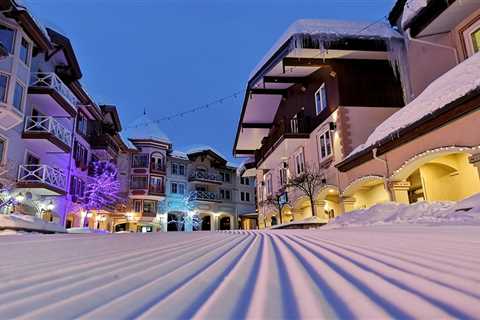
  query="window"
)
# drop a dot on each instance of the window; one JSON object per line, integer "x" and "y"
{"x": 225, "y": 194}
{"x": 242, "y": 196}
{"x": 140, "y": 160}
{"x": 325, "y": 145}
{"x": 268, "y": 181}
{"x": 283, "y": 176}
{"x": 475, "y": 36}
{"x": 471, "y": 37}
{"x": 156, "y": 185}
{"x": 321, "y": 99}
{"x": 294, "y": 124}
{"x": 18, "y": 96}
{"x": 24, "y": 51}
{"x": 178, "y": 169}
{"x": 149, "y": 207}
{"x": 7, "y": 38}
{"x": 3, "y": 87}
{"x": 82, "y": 124}
{"x": 174, "y": 168}
{"x": 244, "y": 181}
{"x": 3, "y": 145}
{"x": 80, "y": 154}
{"x": 139, "y": 182}
{"x": 137, "y": 205}
{"x": 299, "y": 160}
{"x": 157, "y": 162}
{"x": 77, "y": 186}
{"x": 247, "y": 196}
{"x": 225, "y": 176}
{"x": 177, "y": 188}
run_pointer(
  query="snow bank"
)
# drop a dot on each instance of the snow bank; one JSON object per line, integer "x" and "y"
{"x": 466, "y": 212}
{"x": 394, "y": 272}
{"x": 456, "y": 83}
{"x": 28, "y": 223}
{"x": 80, "y": 230}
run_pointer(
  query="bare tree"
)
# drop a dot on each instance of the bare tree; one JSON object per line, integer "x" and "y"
{"x": 278, "y": 202}
{"x": 308, "y": 183}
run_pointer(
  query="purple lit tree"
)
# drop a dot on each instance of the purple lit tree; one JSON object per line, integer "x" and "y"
{"x": 103, "y": 189}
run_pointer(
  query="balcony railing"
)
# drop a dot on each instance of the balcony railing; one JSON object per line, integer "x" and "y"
{"x": 45, "y": 124}
{"x": 199, "y": 175}
{"x": 156, "y": 189}
{"x": 42, "y": 173}
{"x": 104, "y": 141}
{"x": 286, "y": 128}
{"x": 204, "y": 196}
{"x": 157, "y": 167}
{"x": 52, "y": 81}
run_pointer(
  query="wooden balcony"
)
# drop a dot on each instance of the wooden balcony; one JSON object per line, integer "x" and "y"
{"x": 293, "y": 128}
{"x": 48, "y": 129}
{"x": 199, "y": 176}
{"x": 42, "y": 178}
{"x": 48, "y": 83}
{"x": 204, "y": 196}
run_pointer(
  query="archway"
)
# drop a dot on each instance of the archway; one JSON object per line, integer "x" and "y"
{"x": 443, "y": 175}
{"x": 121, "y": 227}
{"x": 172, "y": 224}
{"x": 302, "y": 209}
{"x": 365, "y": 192}
{"x": 225, "y": 223}
{"x": 328, "y": 202}
{"x": 206, "y": 223}
{"x": 70, "y": 221}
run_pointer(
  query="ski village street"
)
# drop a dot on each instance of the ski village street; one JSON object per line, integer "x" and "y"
{"x": 342, "y": 181}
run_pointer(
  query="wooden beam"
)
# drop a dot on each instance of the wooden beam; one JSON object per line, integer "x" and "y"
{"x": 305, "y": 62}
{"x": 256, "y": 125}
{"x": 282, "y": 92}
{"x": 270, "y": 79}
{"x": 242, "y": 151}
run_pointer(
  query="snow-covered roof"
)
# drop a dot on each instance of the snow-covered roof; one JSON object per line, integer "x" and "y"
{"x": 451, "y": 86}
{"x": 411, "y": 9}
{"x": 330, "y": 30}
{"x": 22, "y": 6}
{"x": 179, "y": 155}
{"x": 144, "y": 128}
{"x": 203, "y": 148}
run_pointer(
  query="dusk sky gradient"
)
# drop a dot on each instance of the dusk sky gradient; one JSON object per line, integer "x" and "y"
{"x": 170, "y": 56}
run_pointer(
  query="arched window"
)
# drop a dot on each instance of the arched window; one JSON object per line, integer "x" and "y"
{"x": 157, "y": 162}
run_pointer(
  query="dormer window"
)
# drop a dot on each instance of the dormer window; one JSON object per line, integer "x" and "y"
{"x": 321, "y": 99}
{"x": 7, "y": 38}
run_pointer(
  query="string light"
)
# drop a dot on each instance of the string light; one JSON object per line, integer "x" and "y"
{"x": 181, "y": 114}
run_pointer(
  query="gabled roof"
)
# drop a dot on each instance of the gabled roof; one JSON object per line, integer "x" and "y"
{"x": 112, "y": 111}
{"x": 454, "y": 88}
{"x": 34, "y": 29}
{"x": 206, "y": 150}
{"x": 64, "y": 43}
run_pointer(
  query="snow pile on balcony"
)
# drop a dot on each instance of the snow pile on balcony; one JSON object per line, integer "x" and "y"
{"x": 389, "y": 272}
{"x": 466, "y": 212}
{"x": 326, "y": 31}
{"x": 22, "y": 222}
{"x": 454, "y": 84}
{"x": 143, "y": 128}
{"x": 411, "y": 9}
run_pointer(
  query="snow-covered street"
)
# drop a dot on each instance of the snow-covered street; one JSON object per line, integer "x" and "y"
{"x": 367, "y": 272}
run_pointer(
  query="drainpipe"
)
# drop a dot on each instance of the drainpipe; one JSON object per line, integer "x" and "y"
{"x": 386, "y": 180}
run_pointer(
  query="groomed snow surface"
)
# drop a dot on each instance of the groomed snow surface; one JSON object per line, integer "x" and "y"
{"x": 375, "y": 272}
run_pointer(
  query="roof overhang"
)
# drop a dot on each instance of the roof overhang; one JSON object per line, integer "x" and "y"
{"x": 31, "y": 27}
{"x": 441, "y": 17}
{"x": 112, "y": 110}
{"x": 69, "y": 52}
{"x": 210, "y": 153}
{"x": 286, "y": 68}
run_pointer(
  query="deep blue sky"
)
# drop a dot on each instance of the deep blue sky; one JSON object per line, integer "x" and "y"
{"x": 168, "y": 56}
